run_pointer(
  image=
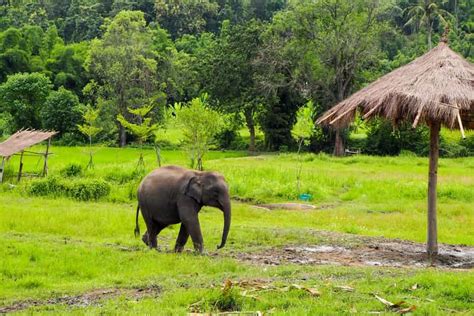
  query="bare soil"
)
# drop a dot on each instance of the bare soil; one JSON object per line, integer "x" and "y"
{"x": 93, "y": 297}
{"x": 287, "y": 206}
{"x": 352, "y": 250}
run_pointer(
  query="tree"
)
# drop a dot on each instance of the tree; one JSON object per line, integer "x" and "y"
{"x": 143, "y": 129}
{"x": 90, "y": 129}
{"x": 23, "y": 96}
{"x": 185, "y": 16}
{"x": 304, "y": 126}
{"x": 82, "y": 21}
{"x": 426, "y": 13}
{"x": 227, "y": 72}
{"x": 122, "y": 64}
{"x": 302, "y": 132}
{"x": 61, "y": 111}
{"x": 66, "y": 65}
{"x": 199, "y": 124}
{"x": 320, "y": 50}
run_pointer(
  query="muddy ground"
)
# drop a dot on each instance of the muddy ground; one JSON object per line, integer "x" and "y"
{"x": 353, "y": 250}
{"x": 94, "y": 297}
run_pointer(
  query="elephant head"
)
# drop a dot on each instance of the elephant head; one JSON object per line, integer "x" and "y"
{"x": 210, "y": 188}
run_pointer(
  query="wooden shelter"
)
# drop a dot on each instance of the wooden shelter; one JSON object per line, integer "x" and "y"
{"x": 18, "y": 142}
{"x": 436, "y": 89}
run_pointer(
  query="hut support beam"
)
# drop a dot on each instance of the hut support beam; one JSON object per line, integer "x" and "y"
{"x": 45, "y": 167}
{"x": 432, "y": 244}
{"x": 21, "y": 167}
{"x": 460, "y": 125}
{"x": 2, "y": 169}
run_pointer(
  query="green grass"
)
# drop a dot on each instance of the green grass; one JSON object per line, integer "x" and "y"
{"x": 56, "y": 246}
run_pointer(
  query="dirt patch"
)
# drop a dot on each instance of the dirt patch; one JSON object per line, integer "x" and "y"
{"x": 93, "y": 297}
{"x": 287, "y": 206}
{"x": 364, "y": 251}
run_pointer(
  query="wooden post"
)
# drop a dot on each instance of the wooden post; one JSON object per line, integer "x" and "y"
{"x": 45, "y": 167}
{"x": 2, "y": 169}
{"x": 21, "y": 166}
{"x": 432, "y": 245}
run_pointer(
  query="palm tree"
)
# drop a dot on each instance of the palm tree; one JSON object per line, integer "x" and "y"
{"x": 425, "y": 13}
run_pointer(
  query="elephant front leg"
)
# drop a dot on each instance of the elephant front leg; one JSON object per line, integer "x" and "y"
{"x": 194, "y": 230}
{"x": 182, "y": 239}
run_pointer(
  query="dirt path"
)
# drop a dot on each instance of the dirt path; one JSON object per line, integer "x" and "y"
{"x": 93, "y": 297}
{"x": 353, "y": 250}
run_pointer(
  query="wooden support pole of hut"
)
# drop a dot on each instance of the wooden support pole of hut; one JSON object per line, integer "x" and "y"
{"x": 45, "y": 167}
{"x": 2, "y": 169}
{"x": 21, "y": 166}
{"x": 432, "y": 243}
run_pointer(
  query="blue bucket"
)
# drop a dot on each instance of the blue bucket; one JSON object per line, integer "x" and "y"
{"x": 305, "y": 197}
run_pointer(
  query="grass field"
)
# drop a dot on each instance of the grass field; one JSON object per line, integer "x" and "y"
{"x": 54, "y": 248}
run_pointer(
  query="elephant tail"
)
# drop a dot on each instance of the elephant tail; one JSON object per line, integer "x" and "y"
{"x": 137, "y": 228}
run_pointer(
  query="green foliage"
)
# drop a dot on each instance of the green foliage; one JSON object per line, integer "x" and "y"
{"x": 227, "y": 300}
{"x": 67, "y": 66}
{"x": 71, "y": 170}
{"x": 425, "y": 13}
{"x": 61, "y": 111}
{"x": 384, "y": 139}
{"x": 78, "y": 189}
{"x": 23, "y": 96}
{"x": 123, "y": 63}
{"x": 304, "y": 126}
{"x": 145, "y": 128}
{"x": 88, "y": 190}
{"x": 199, "y": 124}
{"x": 186, "y": 16}
{"x": 89, "y": 128}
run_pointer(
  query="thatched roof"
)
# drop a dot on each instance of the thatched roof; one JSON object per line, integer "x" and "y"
{"x": 434, "y": 87}
{"x": 23, "y": 139}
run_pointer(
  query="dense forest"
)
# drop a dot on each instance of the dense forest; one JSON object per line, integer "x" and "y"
{"x": 258, "y": 61}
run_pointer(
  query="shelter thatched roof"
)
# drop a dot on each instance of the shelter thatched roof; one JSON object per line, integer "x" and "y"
{"x": 434, "y": 87}
{"x": 23, "y": 139}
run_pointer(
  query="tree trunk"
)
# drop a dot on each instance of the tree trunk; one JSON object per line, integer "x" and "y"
{"x": 338, "y": 145}
{"x": 251, "y": 127}
{"x": 123, "y": 136}
{"x": 432, "y": 245}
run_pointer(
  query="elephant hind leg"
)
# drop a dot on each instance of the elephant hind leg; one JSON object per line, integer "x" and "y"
{"x": 182, "y": 239}
{"x": 153, "y": 230}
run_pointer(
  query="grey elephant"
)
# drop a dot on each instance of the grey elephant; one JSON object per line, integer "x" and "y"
{"x": 171, "y": 195}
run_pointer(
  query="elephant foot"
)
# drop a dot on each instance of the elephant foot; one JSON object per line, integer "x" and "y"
{"x": 145, "y": 239}
{"x": 178, "y": 248}
{"x": 198, "y": 248}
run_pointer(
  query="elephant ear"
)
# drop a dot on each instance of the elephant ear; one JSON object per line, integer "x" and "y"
{"x": 194, "y": 189}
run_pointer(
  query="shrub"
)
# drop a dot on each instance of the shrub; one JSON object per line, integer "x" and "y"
{"x": 48, "y": 186}
{"x": 225, "y": 138}
{"x": 80, "y": 189}
{"x": 71, "y": 170}
{"x": 383, "y": 139}
{"x": 86, "y": 190}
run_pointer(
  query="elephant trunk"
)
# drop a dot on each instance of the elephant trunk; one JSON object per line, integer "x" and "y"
{"x": 226, "y": 209}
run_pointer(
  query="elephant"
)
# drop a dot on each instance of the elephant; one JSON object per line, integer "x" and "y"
{"x": 171, "y": 195}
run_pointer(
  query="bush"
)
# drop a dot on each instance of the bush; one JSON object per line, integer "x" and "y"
{"x": 225, "y": 138}
{"x": 87, "y": 190}
{"x": 451, "y": 149}
{"x": 468, "y": 143}
{"x": 49, "y": 186}
{"x": 383, "y": 139}
{"x": 71, "y": 170}
{"x": 83, "y": 189}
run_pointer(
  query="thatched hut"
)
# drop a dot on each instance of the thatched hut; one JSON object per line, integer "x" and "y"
{"x": 436, "y": 89}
